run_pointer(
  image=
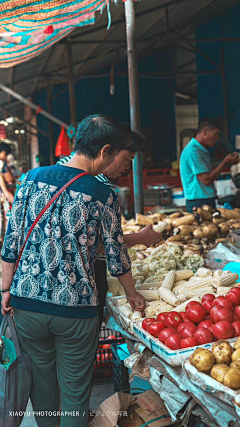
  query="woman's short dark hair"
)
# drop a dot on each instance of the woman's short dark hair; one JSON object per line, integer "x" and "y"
{"x": 5, "y": 147}
{"x": 96, "y": 131}
{"x": 132, "y": 141}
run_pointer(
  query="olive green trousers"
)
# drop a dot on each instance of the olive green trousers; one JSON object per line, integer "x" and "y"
{"x": 62, "y": 352}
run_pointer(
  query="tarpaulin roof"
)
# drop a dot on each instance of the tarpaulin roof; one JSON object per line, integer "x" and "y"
{"x": 27, "y": 28}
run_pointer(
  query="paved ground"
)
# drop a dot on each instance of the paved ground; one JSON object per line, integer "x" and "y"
{"x": 99, "y": 394}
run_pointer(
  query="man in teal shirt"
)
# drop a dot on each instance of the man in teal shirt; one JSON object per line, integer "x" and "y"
{"x": 196, "y": 171}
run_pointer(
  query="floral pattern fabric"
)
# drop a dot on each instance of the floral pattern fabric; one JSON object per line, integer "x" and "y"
{"x": 57, "y": 265}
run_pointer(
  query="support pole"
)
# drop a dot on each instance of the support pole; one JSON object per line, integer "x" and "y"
{"x": 33, "y": 106}
{"x": 49, "y": 103}
{"x": 134, "y": 102}
{"x": 222, "y": 69}
{"x": 71, "y": 88}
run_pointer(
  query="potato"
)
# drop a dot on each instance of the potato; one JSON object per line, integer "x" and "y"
{"x": 185, "y": 220}
{"x": 237, "y": 344}
{"x": 223, "y": 228}
{"x": 203, "y": 360}
{"x": 207, "y": 215}
{"x": 218, "y": 372}
{"x": 222, "y": 352}
{"x": 233, "y": 365}
{"x": 143, "y": 220}
{"x": 218, "y": 221}
{"x": 236, "y": 355}
{"x": 232, "y": 379}
{"x": 176, "y": 215}
{"x": 185, "y": 230}
{"x": 229, "y": 214}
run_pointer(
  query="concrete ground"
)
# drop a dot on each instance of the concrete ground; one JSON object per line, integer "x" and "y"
{"x": 100, "y": 392}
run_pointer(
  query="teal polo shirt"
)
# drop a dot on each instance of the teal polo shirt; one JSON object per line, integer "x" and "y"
{"x": 194, "y": 160}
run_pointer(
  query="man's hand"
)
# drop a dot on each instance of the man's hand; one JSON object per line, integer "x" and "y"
{"x": 231, "y": 159}
{"x": 6, "y": 307}
{"x": 149, "y": 237}
{"x": 10, "y": 197}
{"x": 137, "y": 302}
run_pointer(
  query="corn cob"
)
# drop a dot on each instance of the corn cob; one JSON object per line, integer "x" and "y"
{"x": 221, "y": 290}
{"x": 217, "y": 273}
{"x": 183, "y": 275}
{"x": 147, "y": 286}
{"x": 183, "y": 306}
{"x": 136, "y": 315}
{"x": 126, "y": 311}
{"x": 167, "y": 296}
{"x": 225, "y": 280}
{"x": 153, "y": 310}
{"x": 160, "y": 227}
{"x": 149, "y": 295}
{"x": 204, "y": 272}
{"x": 158, "y": 302}
{"x": 169, "y": 280}
{"x": 193, "y": 285}
{"x": 180, "y": 282}
{"x": 199, "y": 291}
{"x": 121, "y": 301}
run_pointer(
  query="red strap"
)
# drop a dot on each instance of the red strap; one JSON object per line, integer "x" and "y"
{"x": 46, "y": 208}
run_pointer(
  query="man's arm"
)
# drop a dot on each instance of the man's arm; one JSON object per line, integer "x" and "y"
{"x": 7, "y": 276}
{"x": 209, "y": 177}
{"x": 9, "y": 196}
{"x": 147, "y": 237}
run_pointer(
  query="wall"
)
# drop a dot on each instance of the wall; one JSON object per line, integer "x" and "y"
{"x": 92, "y": 96}
{"x": 210, "y": 89}
{"x": 186, "y": 118}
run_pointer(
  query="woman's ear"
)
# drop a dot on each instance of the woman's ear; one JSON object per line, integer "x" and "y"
{"x": 105, "y": 151}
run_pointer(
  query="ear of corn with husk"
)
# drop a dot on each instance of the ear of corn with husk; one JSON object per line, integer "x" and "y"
{"x": 183, "y": 275}
{"x": 191, "y": 293}
{"x": 160, "y": 227}
{"x": 153, "y": 310}
{"x": 149, "y": 295}
{"x": 225, "y": 280}
{"x": 169, "y": 280}
{"x": 167, "y": 296}
{"x": 198, "y": 284}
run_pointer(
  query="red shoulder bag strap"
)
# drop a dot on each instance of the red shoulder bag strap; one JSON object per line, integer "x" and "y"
{"x": 45, "y": 209}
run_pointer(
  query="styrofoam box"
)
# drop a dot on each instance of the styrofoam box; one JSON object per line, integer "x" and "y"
{"x": 178, "y": 198}
{"x": 172, "y": 357}
{"x": 207, "y": 383}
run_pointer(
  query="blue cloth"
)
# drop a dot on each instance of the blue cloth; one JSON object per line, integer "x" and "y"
{"x": 56, "y": 271}
{"x": 195, "y": 160}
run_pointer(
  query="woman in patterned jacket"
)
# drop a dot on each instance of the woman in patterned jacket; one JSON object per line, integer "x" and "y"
{"x": 53, "y": 292}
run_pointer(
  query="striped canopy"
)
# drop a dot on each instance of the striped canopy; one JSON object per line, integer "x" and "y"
{"x": 28, "y": 27}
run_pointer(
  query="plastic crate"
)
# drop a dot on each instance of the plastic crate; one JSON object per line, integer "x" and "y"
{"x": 120, "y": 372}
{"x": 160, "y": 197}
{"x": 103, "y": 366}
{"x": 106, "y": 332}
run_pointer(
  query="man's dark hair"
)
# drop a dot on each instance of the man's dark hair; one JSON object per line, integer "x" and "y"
{"x": 132, "y": 141}
{"x": 96, "y": 131}
{"x": 5, "y": 147}
{"x": 208, "y": 122}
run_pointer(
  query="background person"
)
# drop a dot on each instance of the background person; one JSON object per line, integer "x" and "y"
{"x": 53, "y": 293}
{"x": 196, "y": 172}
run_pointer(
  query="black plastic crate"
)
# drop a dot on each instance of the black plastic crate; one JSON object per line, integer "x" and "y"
{"x": 103, "y": 366}
{"x": 106, "y": 332}
{"x": 120, "y": 372}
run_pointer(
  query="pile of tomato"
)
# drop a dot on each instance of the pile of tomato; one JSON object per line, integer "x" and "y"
{"x": 213, "y": 319}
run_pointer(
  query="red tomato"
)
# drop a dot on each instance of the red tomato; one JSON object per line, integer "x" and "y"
{"x": 211, "y": 328}
{"x": 235, "y": 289}
{"x": 236, "y": 311}
{"x": 236, "y": 327}
{"x": 106, "y": 346}
{"x": 234, "y": 296}
{"x": 186, "y": 320}
{"x": 224, "y": 302}
{"x": 207, "y": 304}
{"x": 222, "y": 313}
{"x": 203, "y": 336}
{"x": 182, "y": 325}
{"x": 208, "y": 317}
{"x": 174, "y": 341}
{"x": 112, "y": 337}
{"x": 208, "y": 296}
{"x": 173, "y": 319}
{"x": 165, "y": 333}
{"x": 205, "y": 324}
{"x": 183, "y": 315}
{"x": 188, "y": 342}
{"x": 191, "y": 304}
{"x": 147, "y": 322}
{"x": 188, "y": 330}
{"x": 223, "y": 330}
{"x": 155, "y": 327}
{"x": 162, "y": 316}
{"x": 196, "y": 313}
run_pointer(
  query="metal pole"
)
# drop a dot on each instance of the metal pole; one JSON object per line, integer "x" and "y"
{"x": 33, "y": 106}
{"x": 49, "y": 103}
{"x": 71, "y": 88}
{"x": 223, "y": 77}
{"x": 134, "y": 102}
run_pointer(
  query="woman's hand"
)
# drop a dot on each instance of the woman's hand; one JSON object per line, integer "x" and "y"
{"x": 149, "y": 237}
{"x": 6, "y": 307}
{"x": 9, "y": 196}
{"x": 137, "y": 302}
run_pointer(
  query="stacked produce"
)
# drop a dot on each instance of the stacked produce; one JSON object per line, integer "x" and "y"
{"x": 198, "y": 232}
{"x": 222, "y": 362}
{"x": 216, "y": 317}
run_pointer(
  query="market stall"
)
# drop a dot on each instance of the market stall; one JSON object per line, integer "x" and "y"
{"x": 193, "y": 302}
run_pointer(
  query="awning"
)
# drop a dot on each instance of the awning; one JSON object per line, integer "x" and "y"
{"x": 26, "y": 30}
